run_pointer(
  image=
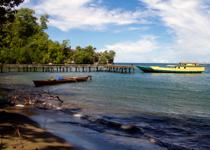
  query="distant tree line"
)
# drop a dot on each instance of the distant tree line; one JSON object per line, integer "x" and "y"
{"x": 24, "y": 41}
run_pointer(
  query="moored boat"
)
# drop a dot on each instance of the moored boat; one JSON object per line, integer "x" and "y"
{"x": 38, "y": 83}
{"x": 179, "y": 68}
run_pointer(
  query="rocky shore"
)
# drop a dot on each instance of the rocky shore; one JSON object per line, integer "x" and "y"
{"x": 18, "y": 131}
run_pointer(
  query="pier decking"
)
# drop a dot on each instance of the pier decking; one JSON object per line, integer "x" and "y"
{"x": 65, "y": 68}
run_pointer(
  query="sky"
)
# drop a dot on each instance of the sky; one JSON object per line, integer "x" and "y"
{"x": 139, "y": 31}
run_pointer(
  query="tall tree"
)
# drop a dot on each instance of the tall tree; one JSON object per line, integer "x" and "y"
{"x": 106, "y": 57}
{"x": 25, "y": 41}
{"x": 84, "y": 55}
{"x": 26, "y": 23}
{"x": 7, "y": 10}
{"x": 43, "y": 21}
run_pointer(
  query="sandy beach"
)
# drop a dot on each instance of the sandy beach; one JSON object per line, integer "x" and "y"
{"x": 19, "y": 132}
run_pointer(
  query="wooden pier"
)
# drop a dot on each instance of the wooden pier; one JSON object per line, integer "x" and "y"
{"x": 65, "y": 68}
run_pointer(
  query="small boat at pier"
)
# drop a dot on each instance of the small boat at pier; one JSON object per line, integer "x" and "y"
{"x": 38, "y": 83}
{"x": 179, "y": 68}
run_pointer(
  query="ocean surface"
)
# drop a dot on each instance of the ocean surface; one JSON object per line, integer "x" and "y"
{"x": 167, "y": 111}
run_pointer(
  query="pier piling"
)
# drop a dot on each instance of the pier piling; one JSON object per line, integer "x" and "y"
{"x": 65, "y": 68}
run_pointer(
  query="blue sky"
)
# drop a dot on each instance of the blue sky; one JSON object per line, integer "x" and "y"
{"x": 138, "y": 30}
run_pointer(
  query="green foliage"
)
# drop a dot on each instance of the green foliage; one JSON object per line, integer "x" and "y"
{"x": 24, "y": 42}
{"x": 25, "y": 24}
{"x": 103, "y": 59}
{"x": 7, "y": 10}
{"x": 84, "y": 55}
{"x": 106, "y": 57}
{"x": 44, "y": 20}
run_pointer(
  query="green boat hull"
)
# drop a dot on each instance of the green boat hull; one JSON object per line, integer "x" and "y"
{"x": 148, "y": 69}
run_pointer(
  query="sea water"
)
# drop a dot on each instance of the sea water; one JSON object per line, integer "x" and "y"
{"x": 174, "y": 108}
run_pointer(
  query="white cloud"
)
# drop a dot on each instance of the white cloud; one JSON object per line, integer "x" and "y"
{"x": 189, "y": 22}
{"x": 133, "y": 51}
{"x": 27, "y": 1}
{"x": 69, "y": 14}
{"x": 138, "y": 28}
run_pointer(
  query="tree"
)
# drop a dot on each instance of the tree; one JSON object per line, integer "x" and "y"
{"x": 43, "y": 21}
{"x": 84, "y": 55}
{"x": 110, "y": 56}
{"x": 102, "y": 59}
{"x": 106, "y": 57}
{"x": 7, "y": 10}
{"x": 25, "y": 23}
{"x": 25, "y": 41}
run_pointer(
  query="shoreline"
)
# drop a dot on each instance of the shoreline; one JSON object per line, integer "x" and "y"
{"x": 85, "y": 126}
{"x": 19, "y": 131}
{"x": 107, "y": 131}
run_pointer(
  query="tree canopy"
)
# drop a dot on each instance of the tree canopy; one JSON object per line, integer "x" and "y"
{"x": 25, "y": 42}
{"x": 7, "y": 10}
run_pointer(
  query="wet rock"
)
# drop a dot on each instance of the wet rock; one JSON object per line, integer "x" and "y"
{"x": 77, "y": 115}
{"x": 131, "y": 129}
{"x": 86, "y": 117}
{"x": 71, "y": 111}
{"x": 128, "y": 128}
{"x": 151, "y": 140}
{"x": 108, "y": 123}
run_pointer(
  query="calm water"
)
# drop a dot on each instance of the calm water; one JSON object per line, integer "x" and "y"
{"x": 187, "y": 94}
{"x": 137, "y": 98}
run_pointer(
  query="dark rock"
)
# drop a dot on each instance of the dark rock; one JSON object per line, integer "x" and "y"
{"x": 132, "y": 129}
{"x": 108, "y": 123}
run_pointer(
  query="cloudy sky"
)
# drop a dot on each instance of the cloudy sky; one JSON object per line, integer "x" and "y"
{"x": 138, "y": 30}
